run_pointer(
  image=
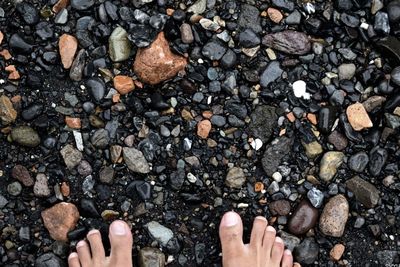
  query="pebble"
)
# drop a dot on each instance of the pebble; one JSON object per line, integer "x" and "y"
{"x": 299, "y": 89}
{"x": 49, "y": 259}
{"x": 203, "y": 128}
{"x": 214, "y": 50}
{"x": 235, "y": 178}
{"x": 337, "y": 251}
{"x": 41, "y": 187}
{"x": 275, "y": 15}
{"x": 279, "y": 207}
{"x": 329, "y": 165}
{"x": 18, "y": 44}
{"x": 22, "y": 174}
{"x": 271, "y": 73}
{"x": 82, "y": 4}
{"x": 381, "y": 25}
{"x": 157, "y": 63}
{"x": 307, "y": 251}
{"x": 198, "y": 7}
{"x": 365, "y": 192}
{"x": 346, "y": 71}
{"x": 135, "y": 160}
{"x": 358, "y": 162}
{"x": 186, "y": 33}
{"x": 96, "y": 88}
{"x": 3, "y": 202}
{"x": 159, "y": 232}
{"x": 378, "y": 157}
{"x": 25, "y": 136}
{"x": 60, "y": 219}
{"x": 124, "y": 84}
{"x": 303, "y": 218}
{"x": 294, "y": 18}
{"x": 151, "y": 257}
{"x": 14, "y": 188}
{"x": 286, "y": 5}
{"x": 119, "y": 45}
{"x": 67, "y": 45}
{"x": 334, "y": 216}
{"x": 313, "y": 149}
{"x": 250, "y": 18}
{"x": 248, "y": 38}
{"x": 72, "y": 157}
{"x": 316, "y": 197}
{"x": 291, "y": 241}
{"x": 290, "y": 42}
{"x": 393, "y": 9}
{"x": 8, "y": 114}
{"x": 76, "y": 71}
{"x": 395, "y": 75}
{"x": 106, "y": 175}
{"x": 275, "y": 152}
{"x": 28, "y": 13}
{"x": 358, "y": 117}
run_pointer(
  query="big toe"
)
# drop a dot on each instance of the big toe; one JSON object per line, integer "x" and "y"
{"x": 121, "y": 244}
{"x": 230, "y": 232}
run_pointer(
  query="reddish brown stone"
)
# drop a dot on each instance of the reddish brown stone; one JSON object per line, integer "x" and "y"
{"x": 275, "y": 15}
{"x": 73, "y": 123}
{"x": 303, "y": 219}
{"x": 21, "y": 174}
{"x": 7, "y": 112}
{"x": 5, "y": 54}
{"x": 67, "y": 45}
{"x": 60, "y": 5}
{"x": 65, "y": 190}
{"x": 337, "y": 252}
{"x": 203, "y": 128}
{"x": 60, "y": 219}
{"x": 14, "y": 74}
{"x": 280, "y": 207}
{"x": 123, "y": 84}
{"x": 157, "y": 63}
{"x": 358, "y": 117}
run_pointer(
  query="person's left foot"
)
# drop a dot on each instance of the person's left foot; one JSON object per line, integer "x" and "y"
{"x": 93, "y": 254}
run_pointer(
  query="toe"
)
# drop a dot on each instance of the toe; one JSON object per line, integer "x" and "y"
{"x": 230, "y": 232}
{"x": 277, "y": 252}
{"x": 96, "y": 247}
{"x": 121, "y": 244}
{"x": 257, "y": 233}
{"x": 84, "y": 253}
{"x": 287, "y": 260}
{"x": 73, "y": 260}
{"x": 268, "y": 240}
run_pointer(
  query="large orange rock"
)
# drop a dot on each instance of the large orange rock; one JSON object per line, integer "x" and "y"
{"x": 157, "y": 63}
{"x": 60, "y": 219}
{"x": 67, "y": 46}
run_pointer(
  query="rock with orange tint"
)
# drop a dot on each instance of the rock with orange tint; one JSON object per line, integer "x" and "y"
{"x": 1, "y": 37}
{"x": 73, "y": 123}
{"x": 67, "y": 45}
{"x": 337, "y": 252}
{"x": 7, "y": 112}
{"x": 275, "y": 15}
{"x": 5, "y": 54}
{"x": 60, "y": 219}
{"x": 157, "y": 63}
{"x": 65, "y": 190}
{"x": 14, "y": 74}
{"x": 204, "y": 128}
{"x": 358, "y": 117}
{"x": 60, "y": 5}
{"x": 123, "y": 84}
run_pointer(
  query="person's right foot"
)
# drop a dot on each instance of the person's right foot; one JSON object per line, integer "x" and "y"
{"x": 264, "y": 250}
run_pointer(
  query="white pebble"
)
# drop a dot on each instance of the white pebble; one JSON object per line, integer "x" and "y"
{"x": 78, "y": 140}
{"x": 299, "y": 89}
{"x": 364, "y": 26}
{"x": 256, "y": 144}
{"x": 242, "y": 205}
{"x": 277, "y": 176}
{"x": 191, "y": 177}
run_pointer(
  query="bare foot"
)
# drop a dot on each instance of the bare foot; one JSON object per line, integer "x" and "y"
{"x": 264, "y": 250}
{"x": 93, "y": 255}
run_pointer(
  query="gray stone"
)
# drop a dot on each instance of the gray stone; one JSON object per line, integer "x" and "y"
{"x": 275, "y": 152}
{"x": 49, "y": 260}
{"x": 107, "y": 175}
{"x": 263, "y": 122}
{"x": 119, "y": 45}
{"x": 3, "y": 201}
{"x": 159, "y": 232}
{"x": 100, "y": 138}
{"x": 307, "y": 251}
{"x": 198, "y": 7}
{"x": 71, "y": 156}
{"x": 271, "y": 73}
{"x": 14, "y": 188}
{"x": 250, "y": 18}
{"x": 25, "y": 136}
{"x": 235, "y": 178}
{"x": 358, "y": 162}
{"x": 290, "y": 241}
{"x": 365, "y": 192}
{"x": 316, "y": 197}
{"x": 151, "y": 257}
{"x": 214, "y": 50}
{"x": 135, "y": 160}
{"x": 346, "y": 71}
{"x": 41, "y": 187}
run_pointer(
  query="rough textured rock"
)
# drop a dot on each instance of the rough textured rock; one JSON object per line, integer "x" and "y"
{"x": 7, "y": 112}
{"x": 279, "y": 207}
{"x": 123, "y": 84}
{"x": 334, "y": 216}
{"x": 290, "y": 42}
{"x": 263, "y": 122}
{"x": 60, "y": 219}
{"x": 358, "y": 117}
{"x": 135, "y": 160}
{"x": 235, "y": 178}
{"x": 159, "y": 232}
{"x": 72, "y": 157}
{"x": 303, "y": 218}
{"x": 49, "y": 260}
{"x": 330, "y": 162}
{"x": 119, "y": 45}
{"x": 365, "y": 192}
{"x": 157, "y": 63}
{"x": 275, "y": 152}
{"x": 67, "y": 45}
{"x": 21, "y": 174}
{"x": 25, "y": 136}
{"x": 307, "y": 251}
{"x": 151, "y": 257}
{"x": 203, "y": 128}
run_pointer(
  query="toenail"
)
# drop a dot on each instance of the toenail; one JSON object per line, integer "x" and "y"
{"x": 261, "y": 218}
{"x": 288, "y": 252}
{"x": 271, "y": 229}
{"x": 118, "y": 228}
{"x": 230, "y": 219}
{"x": 81, "y": 244}
{"x": 279, "y": 240}
{"x": 73, "y": 255}
{"x": 93, "y": 232}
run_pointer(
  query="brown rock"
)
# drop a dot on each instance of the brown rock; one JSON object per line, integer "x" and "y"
{"x": 14, "y": 74}
{"x": 65, "y": 190}
{"x": 186, "y": 115}
{"x": 5, "y": 54}
{"x": 275, "y": 15}
{"x": 303, "y": 219}
{"x": 337, "y": 252}
{"x": 334, "y": 216}
{"x": 157, "y": 63}
{"x": 60, "y": 219}
{"x": 60, "y": 5}
{"x": 21, "y": 174}
{"x": 358, "y": 117}
{"x": 338, "y": 140}
{"x": 73, "y": 123}
{"x": 373, "y": 102}
{"x": 67, "y": 45}
{"x": 365, "y": 192}
{"x": 204, "y": 128}
{"x": 280, "y": 207}
{"x": 115, "y": 152}
{"x": 151, "y": 257}
{"x": 7, "y": 112}
{"x": 123, "y": 84}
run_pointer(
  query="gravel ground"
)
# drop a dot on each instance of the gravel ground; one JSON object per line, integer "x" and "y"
{"x": 168, "y": 113}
